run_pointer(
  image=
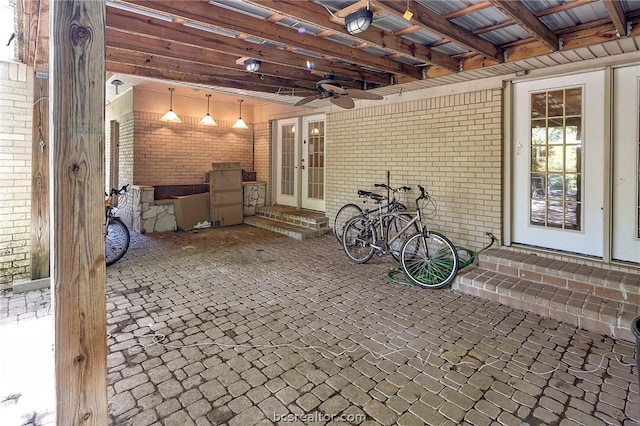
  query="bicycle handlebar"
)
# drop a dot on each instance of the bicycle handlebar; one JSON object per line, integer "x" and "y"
{"x": 384, "y": 185}
{"x": 120, "y": 191}
{"x": 423, "y": 193}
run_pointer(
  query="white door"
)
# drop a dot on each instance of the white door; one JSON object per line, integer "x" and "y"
{"x": 558, "y": 146}
{"x": 286, "y": 163}
{"x": 626, "y": 164}
{"x": 312, "y": 162}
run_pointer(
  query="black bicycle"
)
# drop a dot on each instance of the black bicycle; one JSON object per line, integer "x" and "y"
{"x": 351, "y": 210}
{"x": 116, "y": 235}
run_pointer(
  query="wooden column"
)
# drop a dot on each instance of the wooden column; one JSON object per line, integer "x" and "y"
{"x": 40, "y": 179}
{"x": 77, "y": 80}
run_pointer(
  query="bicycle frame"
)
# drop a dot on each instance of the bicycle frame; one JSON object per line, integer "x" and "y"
{"x": 383, "y": 218}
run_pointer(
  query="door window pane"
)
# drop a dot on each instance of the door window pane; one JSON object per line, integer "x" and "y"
{"x": 287, "y": 183}
{"x": 315, "y": 160}
{"x": 556, "y": 159}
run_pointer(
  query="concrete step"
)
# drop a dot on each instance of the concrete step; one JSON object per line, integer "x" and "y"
{"x": 617, "y": 285}
{"x": 300, "y": 217}
{"x": 296, "y": 232}
{"x": 572, "y": 306}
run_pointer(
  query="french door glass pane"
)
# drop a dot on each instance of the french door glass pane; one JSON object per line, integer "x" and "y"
{"x": 315, "y": 160}
{"x": 556, "y": 159}
{"x": 287, "y": 182}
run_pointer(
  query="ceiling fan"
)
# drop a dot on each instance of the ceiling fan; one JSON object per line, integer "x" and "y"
{"x": 330, "y": 89}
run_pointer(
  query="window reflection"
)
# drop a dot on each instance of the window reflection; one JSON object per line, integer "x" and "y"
{"x": 556, "y": 159}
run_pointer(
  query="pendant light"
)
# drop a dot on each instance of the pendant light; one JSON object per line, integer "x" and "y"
{"x": 208, "y": 120}
{"x": 240, "y": 124}
{"x": 171, "y": 116}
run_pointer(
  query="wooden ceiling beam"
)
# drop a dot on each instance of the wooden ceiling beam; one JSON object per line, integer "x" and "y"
{"x": 520, "y": 14}
{"x": 467, "y": 10}
{"x": 223, "y": 18}
{"x": 207, "y": 80}
{"x": 588, "y": 35}
{"x": 562, "y": 7}
{"x": 616, "y": 13}
{"x": 135, "y": 24}
{"x": 171, "y": 49}
{"x": 318, "y": 16}
{"x": 544, "y": 12}
{"x": 171, "y": 64}
{"x": 436, "y": 23}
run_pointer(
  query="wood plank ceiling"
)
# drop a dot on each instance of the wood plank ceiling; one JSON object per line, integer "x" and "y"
{"x": 299, "y": 42}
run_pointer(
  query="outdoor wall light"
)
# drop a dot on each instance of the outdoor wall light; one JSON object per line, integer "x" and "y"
{"x": 252, "y": 65}
{"x": 171, "y": 116}
{"x": 358, "y": 21}
{"x": 240, "y": 124}
{"x": 208, "y": 120}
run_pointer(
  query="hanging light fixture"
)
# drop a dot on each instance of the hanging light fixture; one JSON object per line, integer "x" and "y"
{"x": 252, "y": 65}
{"x": 208, "y": 120}
{"x": 358, "y": 21}
{"x": 171, "y": 116}
{"x": 240, "y": 124}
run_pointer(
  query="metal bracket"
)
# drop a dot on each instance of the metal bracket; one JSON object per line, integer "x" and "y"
{"x": 560, "y": 43}
{"x": 629, "y": 27}
{"x": 505, "y": 56}
{"x": 460, "y": 65}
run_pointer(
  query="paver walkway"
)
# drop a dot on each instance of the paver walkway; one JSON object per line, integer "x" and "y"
{"x": 240, "y": 326}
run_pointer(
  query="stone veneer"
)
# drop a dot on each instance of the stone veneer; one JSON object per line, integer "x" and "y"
{"x": 149, "y": 215}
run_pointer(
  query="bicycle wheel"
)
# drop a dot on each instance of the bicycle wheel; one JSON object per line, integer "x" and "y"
{"x": 394, "y": 229}
{"x": 346, "y": 213}
{"x": 358, "y": 239}
{"x": 429, "y": 259}
{"x": 116, "y": 240}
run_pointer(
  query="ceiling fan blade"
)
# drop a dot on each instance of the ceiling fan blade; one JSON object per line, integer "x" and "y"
{"x": 361, "y": 94}
{"x": 343, "y": 101}
{"x": 307, "y": 100}
{"x": 333, "y": 89}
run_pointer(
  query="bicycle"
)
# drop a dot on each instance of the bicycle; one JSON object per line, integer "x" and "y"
{"x": 350, "y": 210}
{"x": 116, "y": 235}
{"x": 427, "y": 257}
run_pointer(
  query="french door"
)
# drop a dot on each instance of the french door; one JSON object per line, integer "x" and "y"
{"x": 626, "y": 164}
{"x": 312, "y": 162}
{"x": 558, "y": 164}
{"x": 300, "y": 162}
{"x": 287, "y": 163}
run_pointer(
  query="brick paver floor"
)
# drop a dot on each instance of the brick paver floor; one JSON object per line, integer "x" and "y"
{"x": 240, "y": 326}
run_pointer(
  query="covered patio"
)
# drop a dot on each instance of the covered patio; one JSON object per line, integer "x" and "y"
{"x": 241, "y": 326}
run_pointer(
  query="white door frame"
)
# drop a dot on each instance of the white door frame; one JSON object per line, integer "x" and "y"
{"x": 590, "y": 240}
{"x": 625, "y": 244}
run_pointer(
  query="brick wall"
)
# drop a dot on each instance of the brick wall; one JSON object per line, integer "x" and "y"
{"x": 181, "y": 153}
{"x": 449, "y": 144}
{"x": 16, "y": 116}
{"x": 262, "y": 155}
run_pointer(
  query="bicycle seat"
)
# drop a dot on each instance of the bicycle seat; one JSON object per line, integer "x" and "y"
{"x": 364, "y": 193}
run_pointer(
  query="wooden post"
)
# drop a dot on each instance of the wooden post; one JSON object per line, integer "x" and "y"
{"x": 40, "y": 180}
{"x": 77, "y": 80}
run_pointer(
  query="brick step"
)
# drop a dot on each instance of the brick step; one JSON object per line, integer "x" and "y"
{"x": 574, "y": 307}
{"x": 304, "y": 218}
{"x": 293, "y": 231}
{"x": 615, "y": 285}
